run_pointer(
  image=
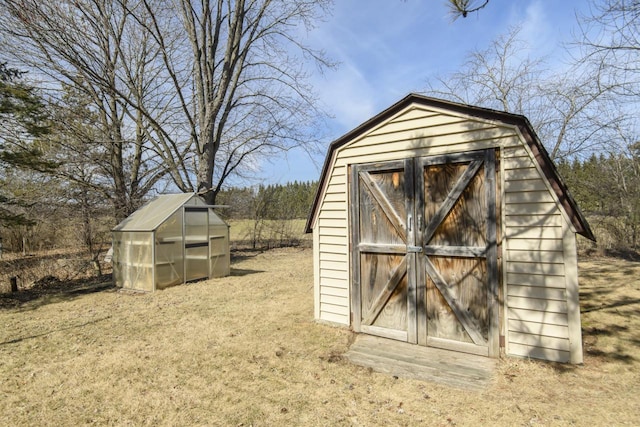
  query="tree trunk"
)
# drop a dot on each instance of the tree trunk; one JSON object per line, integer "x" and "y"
{"x": 205, "y": 174}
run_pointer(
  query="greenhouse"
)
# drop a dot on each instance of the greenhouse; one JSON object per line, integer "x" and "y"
{"x": 173, "y": 239}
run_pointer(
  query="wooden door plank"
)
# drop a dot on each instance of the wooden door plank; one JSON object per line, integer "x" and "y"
{"x": 452, "y": 158}
{"x": 410, "y": 208}
{"x": 386, "y": 293}
{"x": 421, "y": 291}
{"x": 385, "y": 205}
{"x": 421, "y": 355}
{"x": 354, "y": 231}
{"x": 492, "y": 253}
{"x": 459, "y": 346}
{"x": 381, "y": 248}
{"x": 412, "y": 326}
{"x": 380, "y": 331}
{"x": 457, "y": 251}
{"x": 456, "y": 369}
{"x": 451, "y": 199}
{"x": 463, "y": 317}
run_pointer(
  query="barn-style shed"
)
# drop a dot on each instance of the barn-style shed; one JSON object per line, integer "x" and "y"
{"x": 447, "y": 225}
{"x": 172, "y": 239}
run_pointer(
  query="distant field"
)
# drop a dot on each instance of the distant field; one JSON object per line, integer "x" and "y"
{"x": 243, "y": 231}
{"x": 245, "y": 350}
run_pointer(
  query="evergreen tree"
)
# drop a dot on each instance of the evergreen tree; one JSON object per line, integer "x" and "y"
{"x": 23, "y": 119}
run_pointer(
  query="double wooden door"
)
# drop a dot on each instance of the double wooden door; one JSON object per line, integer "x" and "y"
{"x": 424, "y": 258}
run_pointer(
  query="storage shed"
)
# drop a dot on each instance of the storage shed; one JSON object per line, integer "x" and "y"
{"x": 447, "y": 225}
{"x": 173, "y": 239}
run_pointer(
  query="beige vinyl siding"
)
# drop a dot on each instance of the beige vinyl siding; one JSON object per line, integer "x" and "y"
{"x": 316, "y": 273}
{"x": 537, "y": 329}
{"x": 333, "y": 298}
{"x": 573, "y": 299}
{"x": 414, "y": 132}
{"x": 404, "y": 146}
{"x": 540, "y": 280}
{"x": 537, "y": 306}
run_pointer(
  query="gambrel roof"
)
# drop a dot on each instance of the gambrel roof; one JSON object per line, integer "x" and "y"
{"x": 520, "y": 122}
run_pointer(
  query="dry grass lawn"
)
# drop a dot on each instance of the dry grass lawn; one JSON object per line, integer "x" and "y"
{"x": 244, "y": 350}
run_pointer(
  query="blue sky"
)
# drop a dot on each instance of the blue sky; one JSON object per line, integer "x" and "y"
{"x": 389, "y": 48}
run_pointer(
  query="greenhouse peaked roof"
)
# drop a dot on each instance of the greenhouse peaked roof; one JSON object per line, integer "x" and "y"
{"x": 153, "y": 213}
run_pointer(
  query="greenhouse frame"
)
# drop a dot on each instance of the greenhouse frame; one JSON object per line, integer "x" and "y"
{"x": 171, "y": 240}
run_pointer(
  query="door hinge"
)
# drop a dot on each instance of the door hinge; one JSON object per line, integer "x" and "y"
{"x": 414, "y": 249}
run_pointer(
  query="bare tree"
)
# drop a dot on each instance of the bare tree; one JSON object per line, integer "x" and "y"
{"x": 578, "y": 114}
{"x": 242, "y": 85}
{"x": 98, "y": 50}
{"x": 570, "y": 110}
{"x": 624, "y": 171}
{"x": 609, "y": 36}
{"x": 609, "y": 42}
{"x": 198, "y": 90}
{"x": 502, "y": 76}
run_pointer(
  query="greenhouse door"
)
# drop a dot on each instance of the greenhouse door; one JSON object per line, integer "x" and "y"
{"x": 196, "y": 243}
{"x": 425, "y": 261}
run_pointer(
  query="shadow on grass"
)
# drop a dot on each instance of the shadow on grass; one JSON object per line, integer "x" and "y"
{"x": 610, "y": 303}
{"x": 49, "y": 290}
{"x": 619, "y": 356}
{"x": 626, "y": 254}
{"x": 624, "y": 301}
{"x": 240, "y": 272}
{"x": 239, "y": 255}
{"x": 591, "y": 336}
{"x": 18, "y": 340}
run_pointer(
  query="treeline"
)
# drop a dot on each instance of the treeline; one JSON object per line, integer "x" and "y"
{"x": 271, "y": 202}
{"x": 607, "y": 189}
{"x": 269, "y": 216}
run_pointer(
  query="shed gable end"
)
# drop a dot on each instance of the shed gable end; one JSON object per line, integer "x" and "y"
{"x": 537, "y": 224}
{"x": 415, "y": 131}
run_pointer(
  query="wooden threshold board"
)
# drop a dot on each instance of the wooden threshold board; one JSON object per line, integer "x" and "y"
{"x": 460, "y": 370}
